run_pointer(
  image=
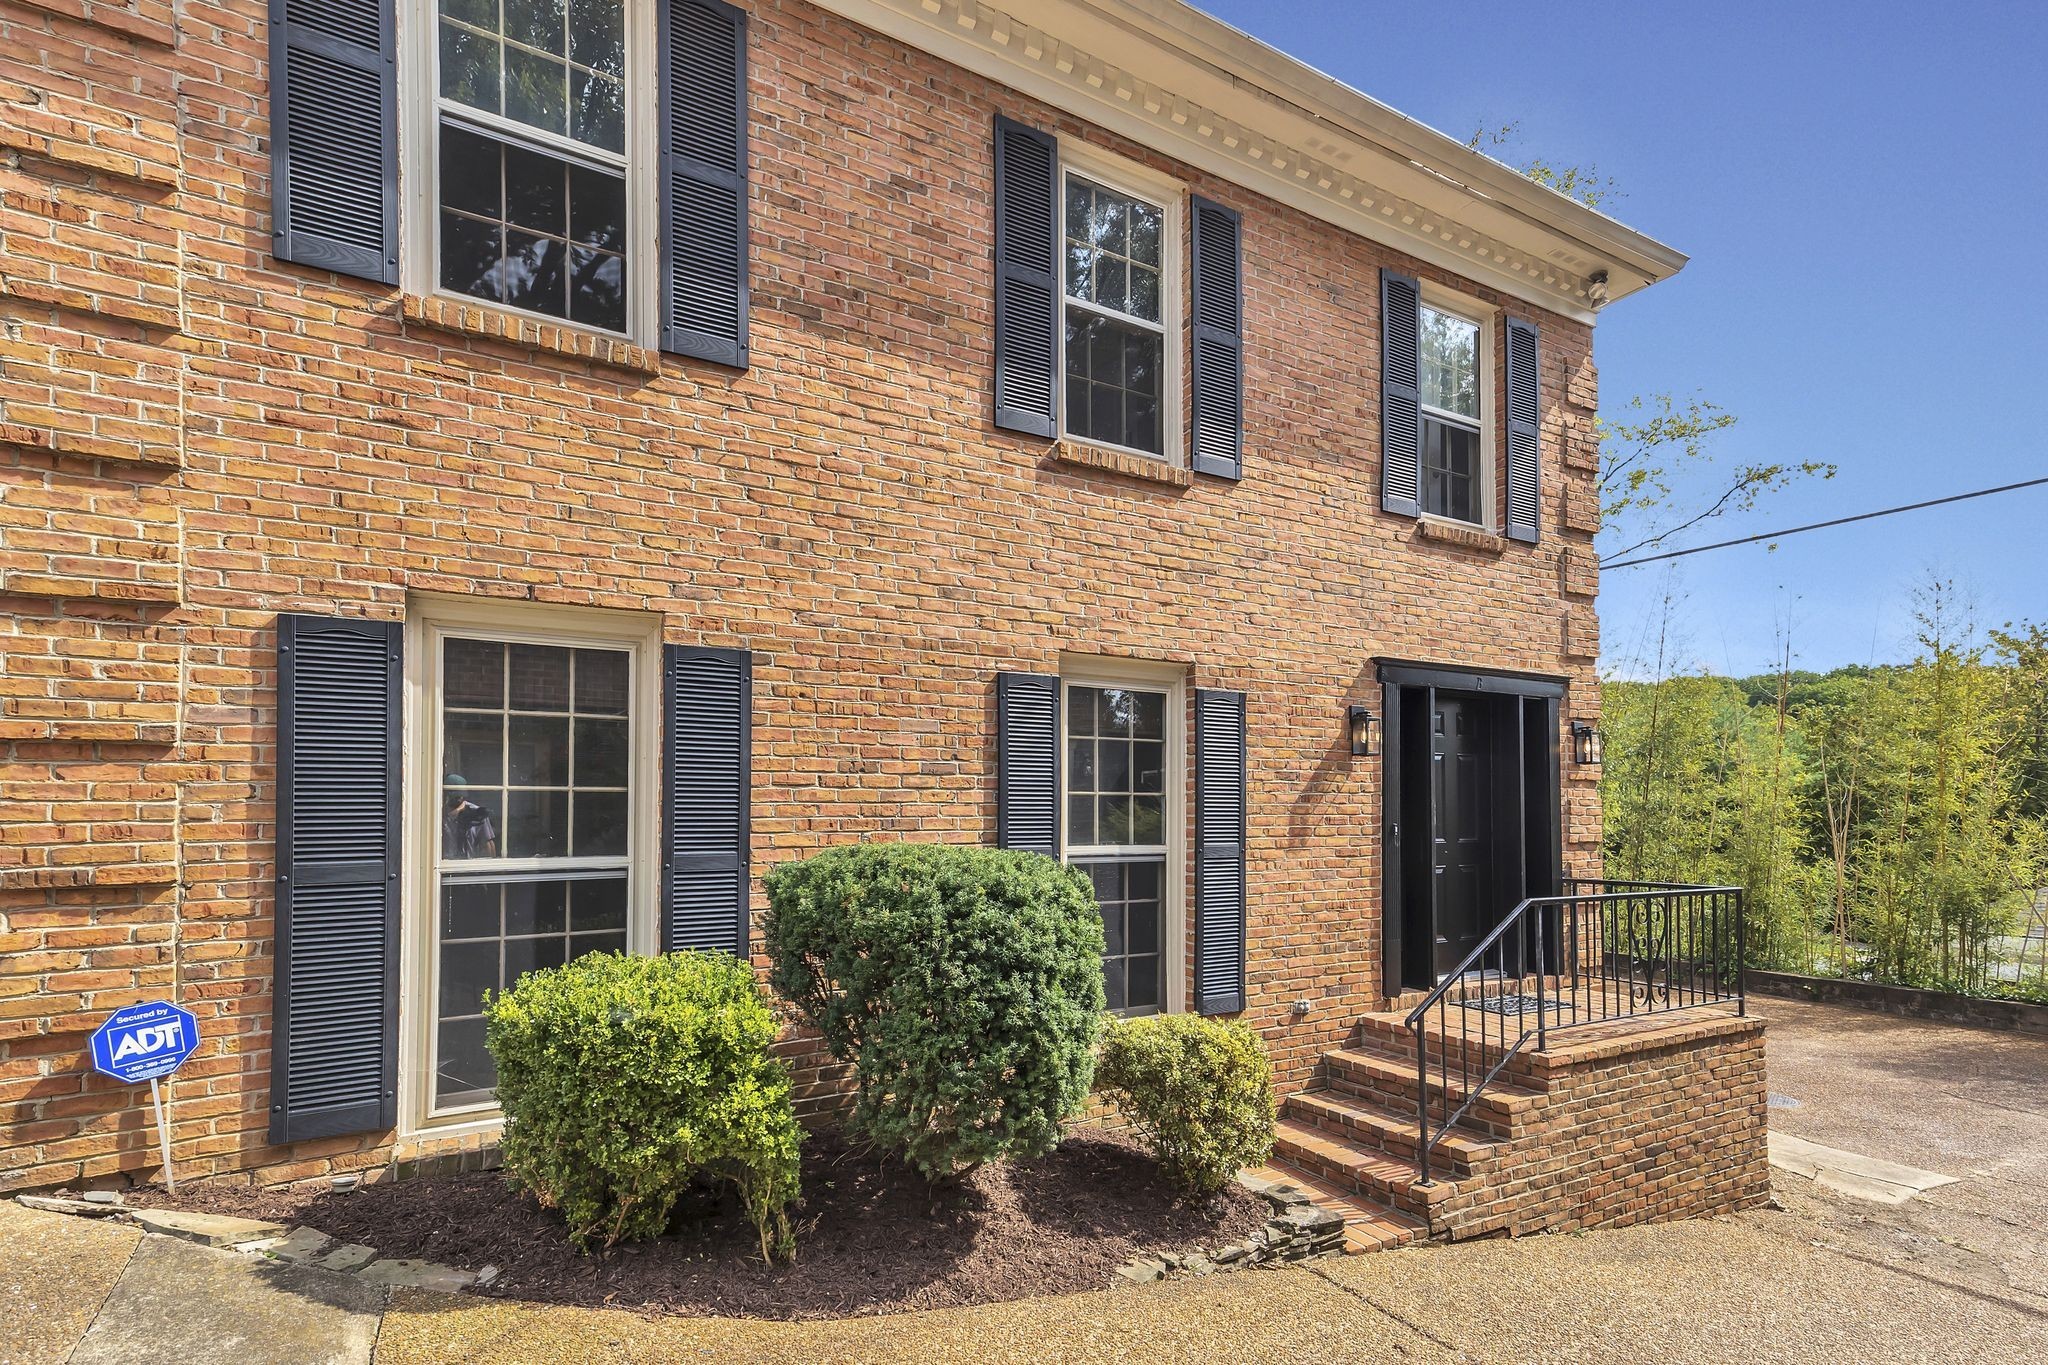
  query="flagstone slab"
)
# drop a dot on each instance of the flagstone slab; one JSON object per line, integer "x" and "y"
{"x": 208, "y": 1229}
{"x": 1853, "y": 1174}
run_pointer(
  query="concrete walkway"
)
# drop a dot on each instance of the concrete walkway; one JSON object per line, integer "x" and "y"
{"x": 1956, "y": 1274}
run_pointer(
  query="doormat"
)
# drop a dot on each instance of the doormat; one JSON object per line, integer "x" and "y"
{"x": 1519, "y": 1004}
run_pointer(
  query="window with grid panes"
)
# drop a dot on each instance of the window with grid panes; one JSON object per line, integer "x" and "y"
{"x": 1449, "y": 370}
{"x": 535, "y": 813}
{"x": 1116, "y": 831}
{"x": 532, "y": 159}
{"x": 1115, "y": 334}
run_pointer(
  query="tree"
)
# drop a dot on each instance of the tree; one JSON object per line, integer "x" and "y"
{"x": 1650, "y": 462}
{"x": 1583, "y": 183}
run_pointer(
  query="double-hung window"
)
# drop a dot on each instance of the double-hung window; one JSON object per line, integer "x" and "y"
{"x": 537, "y": 169}
{"x": 541, "y": 806}
{"x": 1119, "y": 829}
{"x": 1454, "y": 470}
{"x": 1120, "y": 280}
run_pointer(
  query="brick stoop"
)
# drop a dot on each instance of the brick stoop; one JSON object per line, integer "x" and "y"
{"x": 1639, "y": 1120}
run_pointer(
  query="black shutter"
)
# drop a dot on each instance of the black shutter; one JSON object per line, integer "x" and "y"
{"x": 1219, "y": 851}
{"x": 1028, "y": 763}
{"x": 703, "y": 47}
{"x": 1400, "y": 394}
{"x": 1217, "y": 439}
{"x": 334, "y": 135}
{"x": 334, "y": 1032}
{"x": 706, "y": 889}
{"x": 1525, "y": 479}
{"x": 1027, "y": 278}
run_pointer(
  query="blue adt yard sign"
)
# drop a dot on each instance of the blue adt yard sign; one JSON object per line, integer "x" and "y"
{"x": 144, "y": 1043}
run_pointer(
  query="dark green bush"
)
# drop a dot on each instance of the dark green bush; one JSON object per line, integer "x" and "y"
{"x": 1200, "y": 1090}
{"x": 621, "y": 1077}
{"x": 964, "y": 985}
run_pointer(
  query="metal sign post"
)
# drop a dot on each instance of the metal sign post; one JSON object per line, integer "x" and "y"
{"x": 147, "y": 1043}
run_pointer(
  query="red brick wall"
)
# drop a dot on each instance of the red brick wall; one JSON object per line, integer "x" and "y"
{"x": 1670, "y": 1122}
{"x": 195, "y": 437}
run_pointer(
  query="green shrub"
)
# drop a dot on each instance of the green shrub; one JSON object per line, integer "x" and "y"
{"x": 1200, "y": 1090}
{"x": 623, "y": 1076}
{"x": 964, "y": 985}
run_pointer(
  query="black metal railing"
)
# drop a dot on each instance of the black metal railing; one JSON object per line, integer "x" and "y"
{"x": 1604, "y": 950}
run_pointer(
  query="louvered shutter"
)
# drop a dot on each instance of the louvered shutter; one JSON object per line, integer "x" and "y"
{"x": 707, "y": 777}
{"x": 334, "y": 1034}
{"x": 1219, "y": 851}
{"x": 334, "y": 135}
{"x": 1028, "y": 763}
{"x": 1217, "y": 438}
{"x": 1525, "y": 474}
{"x": 1400, "y": 394}
{"x": 704, "y": 305}
{"x": 1027, "y": 278}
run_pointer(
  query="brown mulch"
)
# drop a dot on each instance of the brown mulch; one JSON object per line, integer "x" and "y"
{"x": 868, "y": 1237}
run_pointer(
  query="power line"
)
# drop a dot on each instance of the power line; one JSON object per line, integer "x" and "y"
{"x": 1821, "y": 525}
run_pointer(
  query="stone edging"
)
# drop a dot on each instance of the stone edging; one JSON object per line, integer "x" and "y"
{"x": 1912, "y": 1002}
{"x": 272, "y": 1241}
{"x": 1298, "y": 1230}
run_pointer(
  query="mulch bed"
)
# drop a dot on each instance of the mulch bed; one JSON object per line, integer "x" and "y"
{"x": 868, "y": 1237}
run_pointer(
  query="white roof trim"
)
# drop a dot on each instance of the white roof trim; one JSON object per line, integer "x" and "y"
{"x": 1166, "y": 75}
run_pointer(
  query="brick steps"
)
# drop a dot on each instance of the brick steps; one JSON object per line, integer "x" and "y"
{"x": 1360, "y": 1171}
{"x": 1459, "y": 1152}
{"x": 1501, "y": 1111}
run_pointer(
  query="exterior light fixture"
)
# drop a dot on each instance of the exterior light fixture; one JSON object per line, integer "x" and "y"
{"x": 1586, "y": 744}
{"x": 1365, "y": 732}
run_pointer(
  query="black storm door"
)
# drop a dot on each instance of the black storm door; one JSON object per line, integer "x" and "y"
{"x": 1461, "y": 845}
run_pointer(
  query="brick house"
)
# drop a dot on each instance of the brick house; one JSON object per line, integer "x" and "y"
{"x": 486, "y": 478}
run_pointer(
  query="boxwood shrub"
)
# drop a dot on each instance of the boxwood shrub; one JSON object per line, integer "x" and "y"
{"x": 623, "y": 1076}
{"x": 1199, "y": 1090}
{"x": 963, "y": 985}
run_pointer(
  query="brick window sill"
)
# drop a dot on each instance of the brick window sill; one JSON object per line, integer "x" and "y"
{"x": 1123, "y": 462}
{"x": 492, "y": 324}
{"x": 1459, "y": 534}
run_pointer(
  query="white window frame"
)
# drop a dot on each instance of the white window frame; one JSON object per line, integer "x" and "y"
{"x": 1169, "y": 196}
{"x": 419, "y": 122}
{"x": 1099, "y": 671}
{"x": 429, "y": 622}
{"x": 1485, "y": 500}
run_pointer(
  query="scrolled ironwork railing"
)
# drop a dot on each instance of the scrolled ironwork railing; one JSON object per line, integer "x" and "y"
{"x": 1604, "y": 950}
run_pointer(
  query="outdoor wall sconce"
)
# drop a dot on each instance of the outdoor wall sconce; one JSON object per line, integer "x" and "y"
{"x": 1365, "y": 732}
{"x": 1586, "y": 744}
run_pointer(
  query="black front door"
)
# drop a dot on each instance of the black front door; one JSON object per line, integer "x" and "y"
{"x": 1461, "y": 808}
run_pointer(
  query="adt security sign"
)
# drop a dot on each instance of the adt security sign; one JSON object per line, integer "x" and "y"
{"x": 143, "y": 1042}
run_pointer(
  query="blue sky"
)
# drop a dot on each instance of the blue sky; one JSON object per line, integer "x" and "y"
{"x": 1863, "y": 190}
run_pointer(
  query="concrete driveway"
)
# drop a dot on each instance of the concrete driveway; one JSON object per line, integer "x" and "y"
{"x": 1967, "y": 1102}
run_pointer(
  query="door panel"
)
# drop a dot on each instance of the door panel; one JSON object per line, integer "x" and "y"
{"x": 1461, "y": 827}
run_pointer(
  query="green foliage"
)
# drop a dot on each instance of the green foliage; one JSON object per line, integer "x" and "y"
{"x": 1650, "y": 460}
{"x": 1583, "y": 183}
{"x": 1886, "y": 821}
{"x": 964, "y": 985}
{"x": 1200, "y": 1090}
{"x": 623, "y": 1076}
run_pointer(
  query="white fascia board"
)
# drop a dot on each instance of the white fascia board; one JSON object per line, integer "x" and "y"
{"x": 1296, "y": 145}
